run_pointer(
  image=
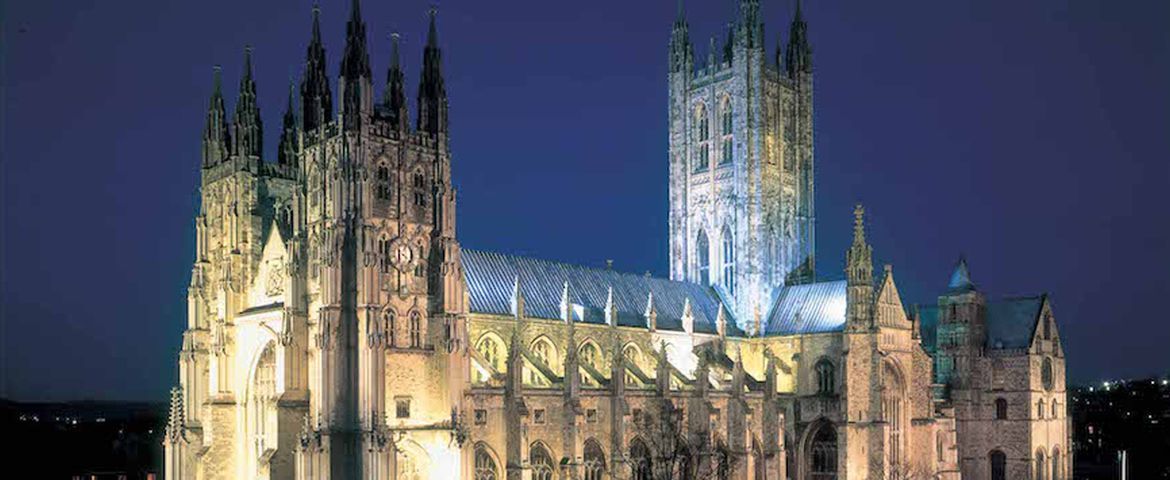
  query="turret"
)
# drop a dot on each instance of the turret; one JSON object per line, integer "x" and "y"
{"x": 316, "y": 99}
{"x": 682, "y": 53}
{"x": 750, "y": 33}
{"x": 215, "y": 133}
{"x": 962, "y": 313}
{"x": 394, "y": 98}
{"x": 859, "y": 275}
{"x": 799, "y": 55}
{"x": 356, "y": 79}
{"x": 287, "y": 153}
{"x": 248, "y": 125}
{"x": 432, "y": 93}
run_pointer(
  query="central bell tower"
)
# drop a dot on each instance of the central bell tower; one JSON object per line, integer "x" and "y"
{"x": 741, "y": 163}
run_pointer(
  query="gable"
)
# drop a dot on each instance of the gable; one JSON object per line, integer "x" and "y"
{"x": 890, "y": 312}
{"x": 269, "y": 282}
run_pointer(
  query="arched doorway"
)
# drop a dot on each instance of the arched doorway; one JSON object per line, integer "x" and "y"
{"x": 820, "y": 452}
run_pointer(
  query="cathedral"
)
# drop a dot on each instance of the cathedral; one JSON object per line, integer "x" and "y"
{"x": 336, "y": 329}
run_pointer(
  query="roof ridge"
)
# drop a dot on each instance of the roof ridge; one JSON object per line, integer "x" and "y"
{"x": 574, "y": 265}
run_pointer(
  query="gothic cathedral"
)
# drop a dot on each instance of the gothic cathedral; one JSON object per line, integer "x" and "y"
{"x": 337, "y": 330}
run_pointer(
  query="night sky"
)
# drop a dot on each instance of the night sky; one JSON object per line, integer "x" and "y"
{"x": 1034, "y": 137}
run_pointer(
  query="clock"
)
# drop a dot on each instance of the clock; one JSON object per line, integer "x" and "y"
{"x": 402, "y": 254}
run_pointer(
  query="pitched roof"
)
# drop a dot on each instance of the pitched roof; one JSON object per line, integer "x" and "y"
{"x": 808, "y": 308}
{"x": 1010, "y": 322}
{"x": 960, "y": 278}
{"x": 491, "y": 276}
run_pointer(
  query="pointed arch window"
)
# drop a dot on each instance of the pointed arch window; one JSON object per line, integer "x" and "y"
{"x": 415, "y": 330}
{"x": 485, "y": 465}
{"x": 541, "y": 461}
{"x": 420, "y": 194}
{"x": 543, "y": 350}
{"x": 703, "y": 136}
{"x": 826, "y": 385}
{"x": 389, "y": 327}
{"x": 489, "y": 349}
{"x": 703, "y": 252}
{"x": 641, "y": 465}
{"x": 386, "y": 255}
{"x": 594, "y": 461}
{"x": 1001, "y": 409}
{"x": 590, "y": 356}
{"x": 725, "y": 111}
{"x": 728, "y": 261}
{"x": 382, "y": 188}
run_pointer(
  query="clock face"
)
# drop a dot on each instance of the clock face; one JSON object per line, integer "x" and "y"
{"x": 402, "y": 254}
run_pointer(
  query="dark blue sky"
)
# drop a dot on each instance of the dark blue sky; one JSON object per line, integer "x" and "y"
{"x": 1032, "y": 136}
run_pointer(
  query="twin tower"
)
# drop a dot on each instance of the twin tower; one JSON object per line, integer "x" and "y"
{"x": 742, "y": 168}
{"x": 243, "y": 135}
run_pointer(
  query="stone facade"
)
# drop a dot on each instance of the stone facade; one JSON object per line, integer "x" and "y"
{"x": 336, "y": 328}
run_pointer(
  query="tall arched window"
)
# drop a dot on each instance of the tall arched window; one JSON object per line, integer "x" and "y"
{"x": 998, "y": 465}
{"x": 389, "y": 327}
{"x": 1040, "y": 409}
{"x": 261, "y": 401}
{"x": 543, "y": 350}
{"x": 1057, "y": 470}
{"x": 1040, "y": 470}
{"x": 590, "y": 356}
{"x": 725, "y": 111}
{"x": 489, "y": 349}
{"x": 485, "y": 465}
{"x": 826, "y": 385}
{"x": 1001, "y": 409}
{"x": 632, "y": 357}
{"x": 703, "y": 135}
{"x": 1046, "y": 374}
{"x": 541, "y": 461}
{"x": 892, "y": 393}
{"x": 387, "y": 255}
{"x": 703, "y": 251}
{"x": 641, "y": 465}
{"x": 728, "y": 261}
{"x": 594, "y": 460}
{"x": 415, "y": 330}
{"x": 382, "y": 189}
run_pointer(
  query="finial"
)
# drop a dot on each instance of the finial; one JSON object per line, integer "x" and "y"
{"x": 859, "y": 224}
{"x": 432, "y": 35}
{"x": 247, "y": 62}
{"x": 217, "y": 78}
{"x": 316, "y": 23}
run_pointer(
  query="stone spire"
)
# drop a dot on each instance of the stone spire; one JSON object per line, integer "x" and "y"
{"x": 432, "y": 93}
{"x": 681, "y": 51}
{"x": 799, "y": 55}
{"x": 316, "y": 97}
{"x": 394, "y": 98}
{"x": 355, "y": 69}
{"x": 287, "y": 153}
{"x": 859, "y": 274}
{"x": 750, "y": 33}
{"x": 216, "y": 138}
{"x": 248, "y": 125}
